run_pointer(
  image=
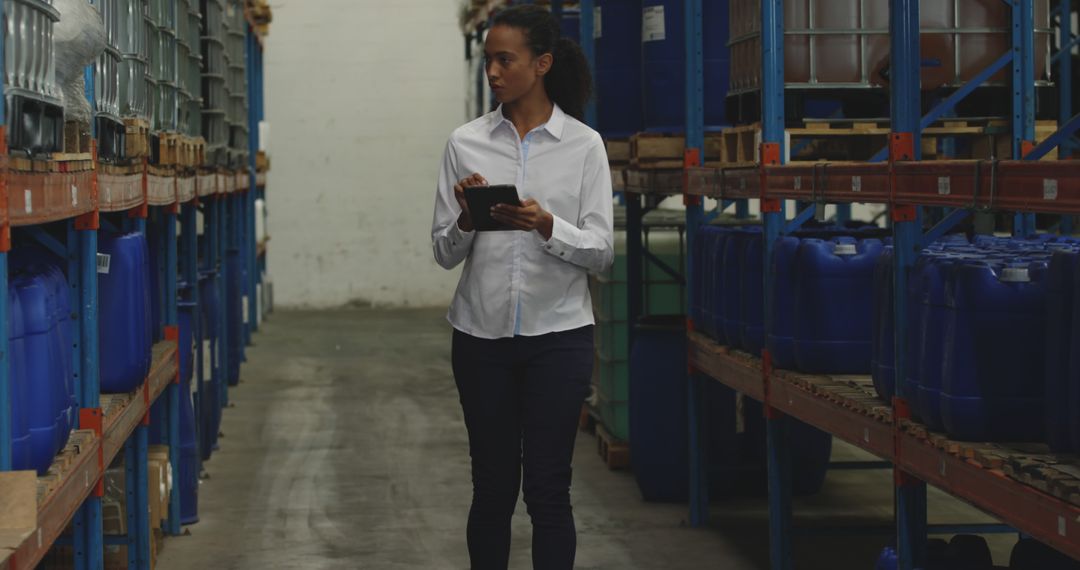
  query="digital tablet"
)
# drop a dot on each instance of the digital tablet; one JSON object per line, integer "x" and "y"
{"x": 482, "y": 198}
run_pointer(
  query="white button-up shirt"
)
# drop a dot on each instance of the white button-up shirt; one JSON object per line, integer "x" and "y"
{"x": 514, "y": 282}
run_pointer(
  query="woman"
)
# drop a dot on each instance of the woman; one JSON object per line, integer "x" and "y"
{"x": 522, "y": 316}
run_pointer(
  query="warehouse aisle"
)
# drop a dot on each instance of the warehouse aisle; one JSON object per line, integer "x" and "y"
{"x": 346, "y": 449}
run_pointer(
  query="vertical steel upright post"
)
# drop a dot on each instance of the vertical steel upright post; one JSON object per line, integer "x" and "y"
{"x": 588, "y": 47}
{"x": 83, "y": 239}
{"x": 906, "y": 113}
{"x": 772, "y": 210}
{"x": 221, "y": 204}
{"x": 5, "y": 380}
{"x": 6, "y": 436}
{"x": 254, "y": 71}
{"x": 1064, "y": 72}
{"x": 189, "y": 264}
{"x": 172, "y": 393}
{"x": 695, "y": 144}
{"x": 1023, "y": 95}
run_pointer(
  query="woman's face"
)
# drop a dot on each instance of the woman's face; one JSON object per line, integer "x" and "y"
{"x": 512, "y": 69}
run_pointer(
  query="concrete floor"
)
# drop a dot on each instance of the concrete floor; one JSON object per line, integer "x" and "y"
{"x": 346, "y": 449}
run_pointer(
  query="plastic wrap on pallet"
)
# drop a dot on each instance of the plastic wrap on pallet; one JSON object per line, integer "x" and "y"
{"x": 79, "y": 39}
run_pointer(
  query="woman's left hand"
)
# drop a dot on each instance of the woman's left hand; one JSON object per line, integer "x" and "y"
{"x": 527, "y": 217}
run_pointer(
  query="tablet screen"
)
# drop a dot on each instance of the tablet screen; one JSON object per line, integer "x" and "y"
{"x": 482, "y": 198}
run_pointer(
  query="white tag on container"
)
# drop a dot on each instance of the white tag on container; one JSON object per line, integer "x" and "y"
{"x": 652, "y": 24}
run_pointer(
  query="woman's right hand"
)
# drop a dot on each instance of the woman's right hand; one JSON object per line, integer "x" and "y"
{"x": 465, "y": 219}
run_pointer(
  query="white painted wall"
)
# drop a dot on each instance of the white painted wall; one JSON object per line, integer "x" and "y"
{"x": 361, "y": 96}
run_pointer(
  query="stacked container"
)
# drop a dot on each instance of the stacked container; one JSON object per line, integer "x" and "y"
{"x": 214, "y": 93}
{"x": 42, "y": 380}
{"x": 134, "y": 65}
{"x": 236, "y": 83}
{"x": 194, "y": 69}
{"x": 663, "y": 296}
{"x": 618, "y": 67}
{"x": 163, "y": 64}
{"x": 183, "y": 66}
{"x": 35, "y": 117}
{"x": 107, "y": 94}
{"x": 107, "y": 66}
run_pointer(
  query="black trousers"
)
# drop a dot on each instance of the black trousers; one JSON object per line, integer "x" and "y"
{"x": 522, "y": 399}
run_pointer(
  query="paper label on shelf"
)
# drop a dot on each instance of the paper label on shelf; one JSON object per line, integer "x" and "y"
{"x": 597, "y": 26}
{"x": 244, "y": 304}
{"x": 944, "y": 185}
{"x": 652, "y": 24}
{"x": 28, "y": 198}
{"x": 856, "y": 183}
{"x": 108, "y": 195}
{"x": 798, "y": 182}
{"x": 1050, "y": 189}
{"x": 74, "y": 195}
{"x": 207, "y": 363}
{"x": 104, "y": 260}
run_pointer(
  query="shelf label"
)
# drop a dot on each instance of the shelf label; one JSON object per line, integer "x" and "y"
{"x": 108, "y": 195}
{"x": 652, "y": 24}
{"x": 244, "y": 304}
{"x": 28, "y": 199}
{"x": 597, "y": 26}
{"x": 866, "y": 435}
{"x": 856, "y": 183}
{"x": 944, "y": 185}
{"x": 1050, "y": 189}
{"x": 104, "y": 260}
{"x": 798, "y": 182}
{"x": 943, "y": 467}
{"x": 74, "y": 195}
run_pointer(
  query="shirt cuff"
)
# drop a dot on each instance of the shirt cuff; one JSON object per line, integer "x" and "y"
{"x": 458, "y": 236}
{"x": 563, "y": 237}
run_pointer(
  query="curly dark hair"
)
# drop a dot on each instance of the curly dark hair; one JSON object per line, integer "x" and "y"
{"x": 568, "y": 83}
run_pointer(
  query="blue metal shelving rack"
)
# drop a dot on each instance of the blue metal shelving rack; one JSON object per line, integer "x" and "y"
{"x": 902, "y": 184}
{"x": 898, "y": 179}
{"x": 76, "y": 499}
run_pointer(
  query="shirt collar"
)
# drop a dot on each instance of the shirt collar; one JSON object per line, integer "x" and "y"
{"x": 554, "y": 125}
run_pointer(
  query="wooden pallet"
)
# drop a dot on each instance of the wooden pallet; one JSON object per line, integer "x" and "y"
{"x": 656, "y": 151}
{"x": 137, "y": 140}
{"x": 77, "y": 139}
{"x": 854, "y": 393}
{"x": 120, "y": 169}
{"x": 262, "y": 161}
{"x": 614, "y": 452}
{"x": 859, "y": 139}
{"x": 192, "y": 151}
{"x": 168, "y": 149}
{"x": 58, "y": 163}
{"x": 618, "y": 151}
{"x": 587, "y": 422}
